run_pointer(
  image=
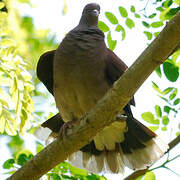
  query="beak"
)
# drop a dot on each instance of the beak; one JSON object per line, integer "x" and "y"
{"x": 96, "y": 12}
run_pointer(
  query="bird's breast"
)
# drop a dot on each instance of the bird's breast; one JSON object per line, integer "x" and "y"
{"x": 79, "y": 82}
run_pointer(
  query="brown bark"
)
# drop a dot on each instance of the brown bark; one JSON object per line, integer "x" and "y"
{"x": 102, "y": 114}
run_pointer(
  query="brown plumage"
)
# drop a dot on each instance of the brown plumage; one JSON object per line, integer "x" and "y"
{"x": 79, "y": 73}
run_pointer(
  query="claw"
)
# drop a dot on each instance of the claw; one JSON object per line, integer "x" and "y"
{"x": 67, "y": 125}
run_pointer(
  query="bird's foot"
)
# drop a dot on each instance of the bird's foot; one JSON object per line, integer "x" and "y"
{"x": 67, "y": 125}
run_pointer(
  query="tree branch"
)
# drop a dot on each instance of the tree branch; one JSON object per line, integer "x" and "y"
{"x": 138, "y": 173}
{"x": 104, "y": 111}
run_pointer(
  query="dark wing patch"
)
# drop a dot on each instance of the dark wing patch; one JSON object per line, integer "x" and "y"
{"x": 115, "y": 68}
{"x": 54, "y": 123}
{"x": 45, "y": 70}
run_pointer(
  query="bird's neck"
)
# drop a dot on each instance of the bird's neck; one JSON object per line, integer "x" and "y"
{"x": 88, "y": 22}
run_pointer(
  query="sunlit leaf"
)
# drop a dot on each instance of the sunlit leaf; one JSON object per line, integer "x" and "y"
{"x": 158, "y": 71}
{"x": 147, "y": 25}
{"x": 149, "y": 117}
{"x": 148, "y": 35}
{"x": 119, "y": 28}
{"x": 177, "y": 2}
{"x": 137, "y": 15}
{"x": 111, "y": 43}
{"x": 164, "y": 128}
{"x": 149, "y": 176}
{"x": 8, "y": 164}
{"x": 158, "y": 111}
{"x": 171, "y": 71}
{"x": 173, "y": 11}
{"x": 173, "y": 94}
{"x": 123, "y": 11}
{"x": 155, "y": 86}
{"x": 111, "y": 17}
{"x": 167, "y": 3}
{"x": 165, "y": 120}
{"x": 103, "y": 26}
{"x": 167, "y": 90}
{"x": 2, "y": 5}
{"x": 177, "y": 101}
{"x": 0, "y": 109}
{"x": 153, "y": 128}
{"x": 2, "y": 124}
{"x": 55, "y": 176}
{"x": 156, "y": 34}
{"x": 130, "y": 23}
{"x": 167, "y": 109}
{"x": 160, "y": 8}
{"x": 39, "y": 147}
{"x": 152, "y": 15}
{"x": 132, "y": 9}
{"x": 157, "y": 24}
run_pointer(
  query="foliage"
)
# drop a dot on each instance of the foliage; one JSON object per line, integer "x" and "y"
{"x": 16, "y": 82}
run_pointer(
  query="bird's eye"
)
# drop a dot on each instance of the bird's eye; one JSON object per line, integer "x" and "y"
{"x": 93, "y": 12}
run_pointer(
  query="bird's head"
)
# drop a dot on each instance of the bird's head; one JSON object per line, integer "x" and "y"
{"x": 90, "y": 15}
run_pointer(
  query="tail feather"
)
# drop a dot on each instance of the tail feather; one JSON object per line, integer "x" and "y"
{"x": 128, "y": 143}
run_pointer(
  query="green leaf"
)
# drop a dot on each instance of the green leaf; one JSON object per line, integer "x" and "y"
{"x": 22, "y": 159}
{"x": 173, "y": 11}
{"x": 177, "y": 101}
{"x": 152, "y": 15}
{"x": 8, "y": 164}
{"x": 149, "y": 117}
{"x": 158, "y": 71}
{"x": 123, "y": 12}
{"x": 153, "y": 128}
{"x": 137, "y": 15}
{"x": 155, "y": 86}
{"x": 149, "y": 176}
{"x": 167, "y": 3}
{"x": 167, "y": 90}
{"x": 111, "y": 43}
{"x": 130, "y": 23}
{"x": 102, "y": 26}
{"x": 54, "y": 176}
{"x": 171, "y": 71}
{"x": 160, "y": 9}
{"x": 120, "y": 28}
{"x": 147, "y": 25}
{"x": 148, "y": 35}
{"x": 139, "y": 178}
{"x": 164, "y": 128}
{"x": 132, "y": 9}
{"x": 78, "y": 172}
{"x": 165, "y": 120}
{"x": 178, "y": 134}
{"x": 167, "y": 109}
{"x": 1, "y": 107}
{"x": 173, "y": 94}
{"x": 157, "y": 24}
{"x": 158, "y": 111}
{"x": 111, "y": 17}
{"x": 2, "y": 124}
{"x": 39, "y": 147}
{"x": 2, "y": 5}
{"x": 177, "y": 2}
{"x": 156, "y": 34}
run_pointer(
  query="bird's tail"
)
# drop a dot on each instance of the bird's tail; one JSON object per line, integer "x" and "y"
{"x": 122, "y": 144}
